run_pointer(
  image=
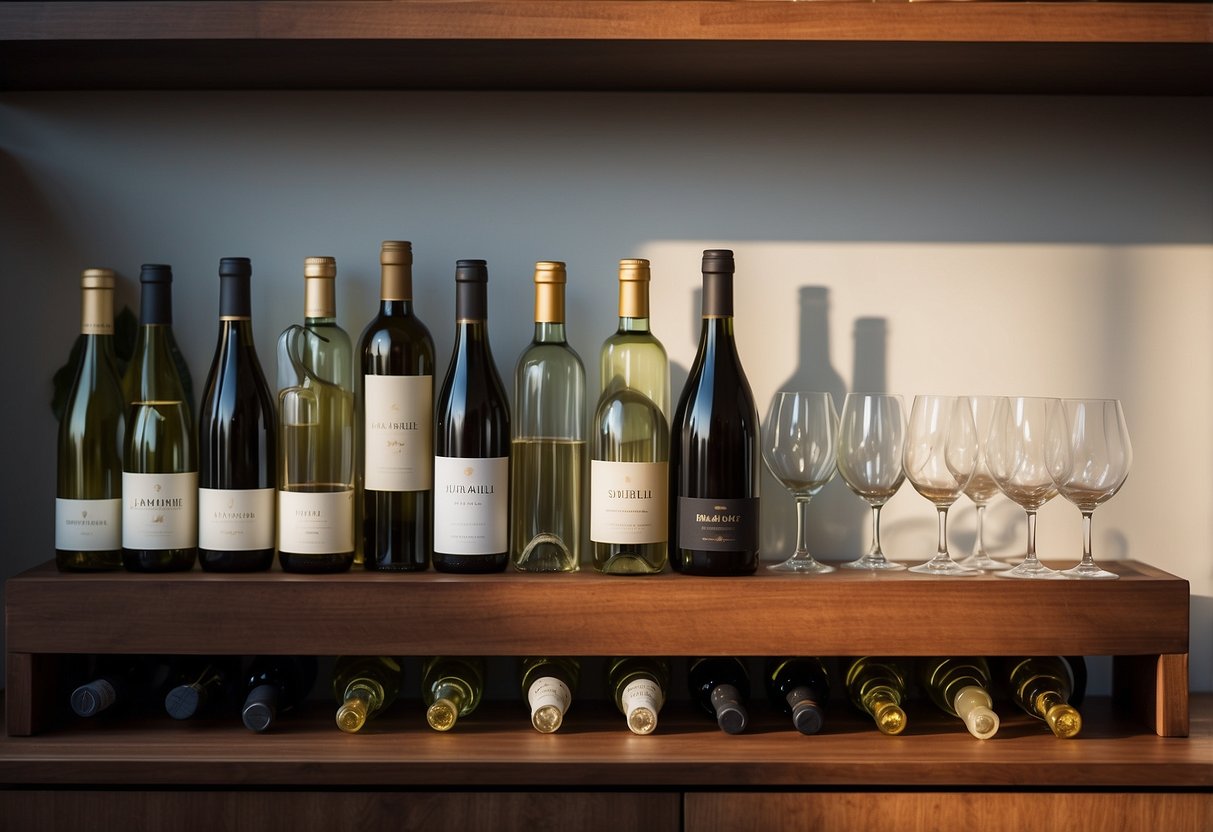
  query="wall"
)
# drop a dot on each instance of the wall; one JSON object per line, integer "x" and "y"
{"x": 1050, "y": 246}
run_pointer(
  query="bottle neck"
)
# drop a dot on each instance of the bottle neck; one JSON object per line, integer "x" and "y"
{"x": 717, "y": 295}
{"x": 320, "y": 299}
{"x": 471, "y": 302}
{"x": 550, "y": 332}
{"x": 395, "y": 287}
{"x": 155, "y": 304}
{"x": 395, "y": 308}
{"x": 235, "y": 298}
{"x": 97, "y": 312}
{"x": 637, "y": 326}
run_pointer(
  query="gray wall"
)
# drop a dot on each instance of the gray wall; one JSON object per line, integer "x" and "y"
{"x": 1053, "y": 246}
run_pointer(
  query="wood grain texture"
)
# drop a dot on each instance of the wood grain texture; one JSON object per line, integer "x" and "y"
{"x": 496, "y": 748}
{"x": 1153, "y": 690}
{"x": 826, "y": 811}
{"x": 512, "y": 614}
{"x": 206, "y": 811}
{"x": 1062, "y": 47}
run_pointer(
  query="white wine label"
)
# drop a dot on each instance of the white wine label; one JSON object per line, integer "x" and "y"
{"x": 399, "y": 424}
{"x": 235, "y": 520}
{"x": 88, "y": 525}
{"x": 471, "y": 505}
{"x": 724, "y": 525}
{"x": 159, "y": 511}
{"x": 316, "y": 523}
{"x": 548, "y": 691}
{"x": 628, "y": 502}
{"x": 641, "y": 693}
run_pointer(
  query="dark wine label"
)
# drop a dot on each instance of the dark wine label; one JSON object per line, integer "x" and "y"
{"x": 718, "y": 525}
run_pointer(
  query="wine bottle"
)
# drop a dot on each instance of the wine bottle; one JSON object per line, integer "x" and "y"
{"x": 316, "y": 432}
{"x": 206, "y": 684}
{"x": 451, "y": 688}
{"x": 118, "y": 681}
{"x": 236, "y": 440}
{"x": 877, "y": 686}
{"x": 721, "y": 687}
{"x": 274, "y": 685}
{"x": 88, "y": 494}
{"x": 799, "y": 687}
{"x": 714, "y": 454}
{"x": 548, "y": 685}
{"x": 160, "y": 456}
{"x": 960, "y": 687}
{"x": 363, "y": 686}
{"x": 396, "y": 400}
{"x": 548, "y": 450}
{"x": 471, "y": 441}
{"x": 1042, "y": 686}
{"x": 638, "y": 686}
{"x": 629, "y": 468}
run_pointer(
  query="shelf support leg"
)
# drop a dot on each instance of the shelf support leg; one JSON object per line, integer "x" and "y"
{"x": 1153, "y": 690}
{"x": 25, "y": 713}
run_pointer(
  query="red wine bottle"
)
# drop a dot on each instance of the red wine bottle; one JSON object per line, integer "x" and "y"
{"x": 721, "y": 688}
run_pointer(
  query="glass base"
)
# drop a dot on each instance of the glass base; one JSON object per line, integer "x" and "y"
{"x": 1037, "y": 571}
{"x": 801, "y": 564}
{"x": 1089, "y": 572}
{"x": 944, "y": 566}
{"x": 985, "y": 563}
{"x": 873, "y": 562}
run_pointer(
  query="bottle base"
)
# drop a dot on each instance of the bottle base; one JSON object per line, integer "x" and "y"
{"x": 315, "y": 564}
{"x": 67, "y": 561}
{"x": 470, "y": 564}
{"x": 622, "y": 564}
{"x": 155, "y": 560}
{"x": 700, "y": 562}
{"x": 372, "y": 565}
{"x": 212, "y": 560}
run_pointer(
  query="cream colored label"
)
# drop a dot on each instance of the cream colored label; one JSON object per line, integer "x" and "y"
{"x": 316, "y": 523}
{"x": 159, "y": 511}
{"x": 628, "y": 502}
{"x": 88, "y": 525}
{"x": 471, "y": 505}
{"x": 641, "y": 693}
{"x": 399, "y": 425}
{"x": 548, "y": 691}
{"x": 235, "y": 520}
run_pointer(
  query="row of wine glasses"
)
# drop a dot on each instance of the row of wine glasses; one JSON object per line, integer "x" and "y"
{"x": 1030, "y": 449}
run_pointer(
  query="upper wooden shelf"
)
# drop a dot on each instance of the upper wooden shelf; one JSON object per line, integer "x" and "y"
{"x": 776, "y": 45}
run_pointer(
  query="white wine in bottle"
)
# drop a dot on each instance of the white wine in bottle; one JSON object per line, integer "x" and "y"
{"x": 639, "y": 686}
{"x": 160, "y": 458}
{"x": 548, "y": 684}
{"x": 1042, "y": 686}
{"x": 877, "y": 686}
{"x": 960, "y": 687}
{"x": 88, "y": 493}
{"x": 363, "y": 686}
{"x": 451, "y": 688}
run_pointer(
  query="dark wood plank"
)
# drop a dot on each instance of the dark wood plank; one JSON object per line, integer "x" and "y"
{"x": 31, "y": 681}
{"x": 1154, "y": 691}
{"x": 511, "y": 614}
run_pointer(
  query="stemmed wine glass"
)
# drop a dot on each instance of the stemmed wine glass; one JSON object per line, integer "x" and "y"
{"x": 1016, "y": 454}
{"x": 940, "y": 455}
{"x": 871, "y": 438}
{"x": 799, "y": 446}
{"x": 981, "y": 488}
{"x": 1089, "y": 458}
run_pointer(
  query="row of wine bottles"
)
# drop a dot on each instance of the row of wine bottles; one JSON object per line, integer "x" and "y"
{"x": 357, "y": 455}
{"x": 1046, "y": 687}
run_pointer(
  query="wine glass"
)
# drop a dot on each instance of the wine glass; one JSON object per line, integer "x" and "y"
{"x": 1089, "y": 459}
{"x": 799, "y": 446}
{"x": 981, "y": 488}
{"x": 1016, "y": 454}
{"x": 940, "y": 455}
{"x": 871, "y": 438}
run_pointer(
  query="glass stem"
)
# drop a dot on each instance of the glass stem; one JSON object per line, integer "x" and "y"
{"x": 979, "y": 548}
{"x": 941, "y": 550}
{"x": 1087, "y": 558}
{"x": 1030, "y": 559}
{"x": 802, "y": 525}
{"x": 875, "y": 551}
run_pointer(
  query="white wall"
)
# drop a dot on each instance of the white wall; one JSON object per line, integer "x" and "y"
{"x": 1055, "y": 246}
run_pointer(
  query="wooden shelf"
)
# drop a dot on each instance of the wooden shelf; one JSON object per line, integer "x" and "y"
{"x": 496, "y": 748}
{"x": 1142, "y": 619}
{"x": 1056, "y": 47}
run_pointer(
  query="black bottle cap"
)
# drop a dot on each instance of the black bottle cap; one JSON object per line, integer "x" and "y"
{"x": 471, "y": 290}
{"x": 183, "y": 701}
{"x": 156, "y": 298}
{"x": 731, "y": 715}
{"x": 235, "y": 267}
{"x": 718, "y": 261}
{"x": 260, "y": 707}
{"x": 472, "y": 271}
{"x": 806, "y": 716}
{"x": 155, "y": 273}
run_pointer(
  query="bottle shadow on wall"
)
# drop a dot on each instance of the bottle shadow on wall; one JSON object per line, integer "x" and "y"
{"x": 836, "y": 517}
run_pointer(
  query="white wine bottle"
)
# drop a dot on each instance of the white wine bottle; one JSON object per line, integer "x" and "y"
{"x": 237, "y": 431}
{"x": 638, "y": 685}
{"x": 960, "y": 687}
{"x": 316, "y": 433}
{"x": 548, "y": 684}
{"x": 471, "y": 441}
{"x": 548, "y": 451}
{"x": 629, "y": 467}
{"x": 396, "y": 400}
{"x": 88, "y": 493}
{"x": 1042, "y": 687}
{"x": 363, "y": 687}
{"x": 160, "y": 457}
{"x": 877, "y": 686}
{"x": 714, "y": 445}
{"x": 451, "y": 688}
